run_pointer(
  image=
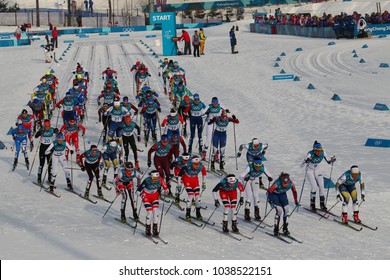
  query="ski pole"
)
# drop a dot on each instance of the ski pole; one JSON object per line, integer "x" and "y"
{"x": 235, "y": 144}
{"x": 103, "y": 131}
{"x": 330, "y": 180}
{"x": 209, "y": 218}
{"x": 211, "y": 145}
{"x": 71, "y": 166}
{"x": 136, "y": 221}
{"x": 263, "y": 219}
{"x": 239, "y": 206}
{"x": 303, "y": 185}
{"x": 329, "y": 210}
{"x": 110, "y": 206}
{"x": 161, "y": 218}
{"x": 266, "y": 205}
{"x": 32, "y": 165}
{"x": 158, "y": 122}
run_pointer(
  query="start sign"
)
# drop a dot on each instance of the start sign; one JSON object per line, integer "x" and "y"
{"x": 168, "y": 24}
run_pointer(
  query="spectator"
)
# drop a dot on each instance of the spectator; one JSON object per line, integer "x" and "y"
{"x": 18, "y": 33}
{"x": 196, "y": 43}
{"x": 50, "y": 26}
{"x": 47, "y": 39}
{"x": 91, "y": 5}
{"x": 23, "y": 27}
{"x": 202, "y": 41}
{"x": 233, "y": 40}
{"x": 86, "y": 5}
{"x": 54, "y": 35}
{"x": 187, "y": 42}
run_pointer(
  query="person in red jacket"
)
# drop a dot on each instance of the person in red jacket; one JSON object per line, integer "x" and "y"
{"x": 187, "y": 42}
{"x": 54, "y": 35}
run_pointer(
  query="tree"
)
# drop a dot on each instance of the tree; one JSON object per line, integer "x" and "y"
{"x": 4, "y": 7}
{"x": 38, "y": 17}
{"x": 109, "y": 12}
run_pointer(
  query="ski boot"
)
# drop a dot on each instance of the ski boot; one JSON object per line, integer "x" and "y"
{"x": 147, "y": 230}
{"x": 276, "y": 230}
{"x": 356, "y": 217}
{"x": 154, "y": 137}
{"x": 104, "y": 181}
{"x": 225, "y": 226}
{"x": 344, "y": 218}
{"x": 100, "y": 194}
{"x": 51, "y": 187}
{"x": 155, "y": 230}
{"x": 188, "y": 214}
{"x": 15, "y": 164}
{"x": 257, "y": 213}
{"x": 27, "y": 163}
{"x": 212, "y": 167}
{"x": 234, "y": 227}
{"x": 123, "y": 216}
{"x": 221, "y": 165}
{"x": 285, "y": 229}
{"x": 69, "y": 184}
{"x": 39, "y": 179}
{"x": 198, "y": 215}
{"x": 246, "y": 215}
{"x": 313, "y": 205}
{"x": 322, "y": 204}
{"x": 177, "y": 199}
{"x": 86, "y": 194}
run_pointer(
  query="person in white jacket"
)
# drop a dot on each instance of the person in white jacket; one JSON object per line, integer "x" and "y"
{"x": 314, "y": 174}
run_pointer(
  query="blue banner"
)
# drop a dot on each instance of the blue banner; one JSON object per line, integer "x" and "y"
{"x": 378, "y": 29}
{"x": 382, "y": 143}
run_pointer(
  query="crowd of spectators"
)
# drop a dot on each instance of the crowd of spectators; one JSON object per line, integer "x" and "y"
{"x": 326, "y": 20}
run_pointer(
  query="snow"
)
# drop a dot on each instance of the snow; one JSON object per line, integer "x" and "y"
{"x": 284, "y": 114}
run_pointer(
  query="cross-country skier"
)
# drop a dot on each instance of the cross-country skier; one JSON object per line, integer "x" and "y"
{"x": 253, "y": 171}
{"x": 196, "y": 110}
{"x": 214, "y": 110}
{"x": 189, "y": 177}
{"x": 57, "y": 149}
{"x": 91, "y": 165}
{"x": 176, "y": 140}
{"x": 314, "y": 173}
{"x": 150, "y": 112}
{"x": 26, "y": 120}
{"x": 346, "y": 189}
{"x": 130, "y": 131}
{"x": 277, "y": 197}
{"x": 71, "y": 130}
{"x": 117, "y": 112}
{"x": 69, "y": 111}
{"x": 39, "y": 113}
{"x": 111, "y": 152}
{"x": 172, "y": 121}
{"x": 129, "y": 106}
{"x": 219, "y": 137}
{"x": 47, "y": 134}
{"x": 109, "y": 74}
{"x": 162, "y": 158}
{"x": 104, "y": 118}
{"x": 20, "y": 135}
{"x": 177, "y": 165}
{"x": 125, "y": 187}
{"x": 227, "y": 189}
{"x": 149, "y": 192}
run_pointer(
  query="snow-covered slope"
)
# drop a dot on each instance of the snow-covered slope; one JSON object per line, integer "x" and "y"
{"x": 284, "y": 114}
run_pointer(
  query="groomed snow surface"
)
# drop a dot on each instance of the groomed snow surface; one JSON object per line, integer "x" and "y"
{"x": 284, "y": 114}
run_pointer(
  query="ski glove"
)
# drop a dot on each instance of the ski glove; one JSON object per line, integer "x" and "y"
{"x": 234, "y": 117}
{"x": 363, "y": 196}
{"x": 241, "y": 201}
{"x": 165, "y": 192}
{"x": 247, "y": 177}
{"x": 339, "y": 197}
{"x": 308, "y": 160}
{"x": 82, "y": 168}
{"x": 203, "y": 186}
{"x": 149, "y": 163}
{"x": 270, "y": 179}
{"x": 297, "y": 204}
{"x": 31, "y": 146}
{"x": 238, "y": 154}
{"x": 216, "y": 203}
{"x": 178, "y": 189}
{"x": 332, "y": 159}
{"x": 71, "y": 152}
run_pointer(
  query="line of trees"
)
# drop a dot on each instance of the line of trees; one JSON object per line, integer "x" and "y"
{"x": 4, "y": 7}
